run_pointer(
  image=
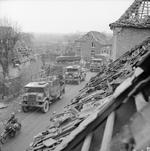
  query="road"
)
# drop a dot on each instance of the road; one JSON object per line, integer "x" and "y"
{"x": 35, "y": 122}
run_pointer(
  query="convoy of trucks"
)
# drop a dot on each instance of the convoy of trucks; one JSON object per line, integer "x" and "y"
{"x": 43, "y": 91}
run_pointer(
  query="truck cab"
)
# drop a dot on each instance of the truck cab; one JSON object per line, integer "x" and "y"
{"x": 41, "y": 94}
{"x": 74, "y": 74}
{"x": 96, "y": 64}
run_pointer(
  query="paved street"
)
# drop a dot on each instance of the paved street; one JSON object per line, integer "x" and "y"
{"x": 35, "y": 122}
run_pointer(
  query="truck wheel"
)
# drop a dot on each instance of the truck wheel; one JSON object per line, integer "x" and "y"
{"x": 3, "y": 140}
{"x": 45, "y": 107}
{"x": 63, "y": 91}
{"x": 25, "y": 109}
{"x": 59, "y": 96}
{"x": 12, "y": 134}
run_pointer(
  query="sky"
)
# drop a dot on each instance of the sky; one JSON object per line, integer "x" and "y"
{"x": 63, "y": 16}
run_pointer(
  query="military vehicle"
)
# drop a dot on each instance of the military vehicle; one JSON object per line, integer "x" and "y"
{"x": 74, "y": 74}
{"x": 42, "y": 93}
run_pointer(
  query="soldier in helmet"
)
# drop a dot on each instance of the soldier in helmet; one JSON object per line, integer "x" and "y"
{"x": 12, "y": 119}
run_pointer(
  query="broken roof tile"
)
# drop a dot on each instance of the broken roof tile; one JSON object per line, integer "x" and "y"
{"x": 136, "y": 16}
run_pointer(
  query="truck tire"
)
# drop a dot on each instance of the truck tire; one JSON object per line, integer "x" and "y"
{"x": 45, "y": 107}
{"x": 3, "y": 140}
{"x": 59, "y": 97}
{"x": 25, "y": 109}
{"x": 63, "y": 90}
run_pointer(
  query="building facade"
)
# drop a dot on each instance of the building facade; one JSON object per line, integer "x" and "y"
{"x": 90, "y": 44}
{"x": 131, "y": 28}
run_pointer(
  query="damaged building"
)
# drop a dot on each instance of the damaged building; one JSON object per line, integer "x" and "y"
{"x": 92, "y": 43}
{"x": 131, "y": 28}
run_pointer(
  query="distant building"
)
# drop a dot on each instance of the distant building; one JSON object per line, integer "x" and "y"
{"x": 90, "y": 44}
{"x": 131, "y": 28}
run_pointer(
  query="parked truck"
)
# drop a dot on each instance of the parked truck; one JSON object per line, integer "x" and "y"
{"x": 41, "y": 94}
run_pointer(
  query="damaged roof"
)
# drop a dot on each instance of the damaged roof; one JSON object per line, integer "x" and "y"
{"x": 136, "y": 16}
{"x": 96, "y": 36}
{"x": 123, "y": 89}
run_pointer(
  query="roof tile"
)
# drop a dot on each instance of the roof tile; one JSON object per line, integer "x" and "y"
{"x": 136, "y": 16}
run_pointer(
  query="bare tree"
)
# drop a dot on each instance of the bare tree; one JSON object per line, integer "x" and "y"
{"x": 9, "y": 35}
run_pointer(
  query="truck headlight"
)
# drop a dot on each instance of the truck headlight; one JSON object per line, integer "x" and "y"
{"x": 39, "y": 98}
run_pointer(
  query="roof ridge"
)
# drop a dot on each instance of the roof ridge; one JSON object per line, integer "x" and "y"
{"x": 94, "y": 36}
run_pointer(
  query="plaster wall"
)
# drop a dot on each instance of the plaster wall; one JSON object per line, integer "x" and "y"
{"x": 126, "y": 38}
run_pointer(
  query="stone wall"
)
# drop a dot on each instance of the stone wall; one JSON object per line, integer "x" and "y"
{"x": 126, "y": 38}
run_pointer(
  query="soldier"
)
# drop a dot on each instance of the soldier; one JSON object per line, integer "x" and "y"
{"x": 12, "y": 119}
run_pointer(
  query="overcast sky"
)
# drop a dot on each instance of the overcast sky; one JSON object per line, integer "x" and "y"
{"x": 63, "y": 16}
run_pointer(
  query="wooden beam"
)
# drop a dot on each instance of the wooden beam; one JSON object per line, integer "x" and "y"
{"x": 108, "y": 132}
{"x": 87, "y": 142}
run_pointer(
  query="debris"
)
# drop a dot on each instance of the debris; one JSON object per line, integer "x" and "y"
{"x": 94, "y": 97}
{"x": 2, "y": 106}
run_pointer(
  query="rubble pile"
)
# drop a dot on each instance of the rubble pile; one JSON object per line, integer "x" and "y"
{"x": 93, "y": 97}
{"x": 105, "y": 83}
{"x": 61, "y": 126}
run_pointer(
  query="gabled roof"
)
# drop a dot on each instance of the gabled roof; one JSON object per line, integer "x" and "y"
{"x": 96, "y": 36}
{"x": 136, "y": 16}
{"x": 129, "y": 87}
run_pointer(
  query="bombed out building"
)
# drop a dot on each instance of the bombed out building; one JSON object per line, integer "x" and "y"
{"x": 131, "y": 28}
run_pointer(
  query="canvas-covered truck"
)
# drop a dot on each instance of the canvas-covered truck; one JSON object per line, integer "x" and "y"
{"x": 41, "y": 94}
{"x": 96, "y": 65}
{"x": 74, "y": 74}
{"x": 68, "y": 60}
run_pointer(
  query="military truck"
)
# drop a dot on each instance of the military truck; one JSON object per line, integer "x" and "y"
{"x": 96, "y": 64}
{"x": 74, "y": 74}
{"x": 68, "y": 60}
{"x": 41, "y": 94}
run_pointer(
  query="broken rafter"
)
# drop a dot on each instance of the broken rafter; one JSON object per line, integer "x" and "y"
{"x": 137, "y": 15}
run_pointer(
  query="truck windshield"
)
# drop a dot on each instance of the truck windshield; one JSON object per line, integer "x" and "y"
{"x": 72, "y": 70}
{"x": 34, "y": 89}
